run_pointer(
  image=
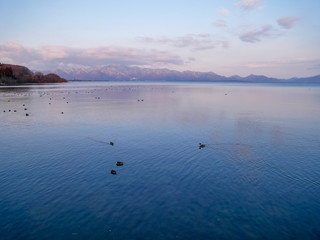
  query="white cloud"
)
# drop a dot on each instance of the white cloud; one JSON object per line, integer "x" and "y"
{"x": 287, "y": 22}
{"x": 220, "y": 23}
{"x": 248, "y": 4}
{"x": 50, "y": 57}
{"x": 256, "y": 35}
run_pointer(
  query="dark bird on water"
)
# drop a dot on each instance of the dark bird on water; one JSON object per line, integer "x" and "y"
{"x": 113, "y": 172}
{"x": 201, "y": 145}
{"x": 119, "y": 163}
{"x": 111, "y": 143}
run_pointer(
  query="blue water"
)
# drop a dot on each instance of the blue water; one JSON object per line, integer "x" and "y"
{"x": 257, "y": 178}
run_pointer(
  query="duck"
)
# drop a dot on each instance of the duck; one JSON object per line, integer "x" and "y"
{"x": 113, "y": 172}
{"x": 111, "y": 143}
{"x": 201, "y": 145}
{"x": 119, "y": 163}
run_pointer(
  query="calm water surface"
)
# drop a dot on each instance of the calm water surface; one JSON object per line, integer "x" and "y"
{"x": 257, "y": 178}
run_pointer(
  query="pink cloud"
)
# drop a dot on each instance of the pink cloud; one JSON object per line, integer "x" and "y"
{"x": 287, "y": 22}
{"x": 256, "y": 35}
{"x": 220, "y": 23}
{"x": 224, "y": 12}
{"x": 248, "y": 4}
{"x": 50, "y": 57}
{"x": 286, "y": 61}
{"x": 195, "y": 42}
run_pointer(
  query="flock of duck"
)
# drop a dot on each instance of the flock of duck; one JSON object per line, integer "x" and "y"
{"x": 15, "y": 110}
{"x": 118, "y": 163}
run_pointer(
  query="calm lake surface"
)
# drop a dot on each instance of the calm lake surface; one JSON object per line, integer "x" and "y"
{"x": 258, "y": 177}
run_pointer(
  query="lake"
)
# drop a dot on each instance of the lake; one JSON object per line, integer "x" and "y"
{"x": 257, "y": 177}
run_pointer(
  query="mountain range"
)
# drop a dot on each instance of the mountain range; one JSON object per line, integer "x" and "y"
{"x": 126, "y": 73}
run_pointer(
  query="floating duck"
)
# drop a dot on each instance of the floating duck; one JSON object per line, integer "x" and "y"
{"x": 201, "y": 145}
{"x": 119, "y": 163}
{"x": 113, "y": 172}
{"x": 111, "y": 143}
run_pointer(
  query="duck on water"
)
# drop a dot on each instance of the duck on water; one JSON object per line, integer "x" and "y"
{"x": 201, "y": 145}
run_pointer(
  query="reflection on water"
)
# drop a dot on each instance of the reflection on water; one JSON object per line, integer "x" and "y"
{"x": 256, "y": 177}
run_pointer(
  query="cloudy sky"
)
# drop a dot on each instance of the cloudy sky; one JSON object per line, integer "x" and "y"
{"x": 270, "y": 37}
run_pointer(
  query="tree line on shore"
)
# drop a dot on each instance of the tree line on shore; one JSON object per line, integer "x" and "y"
{"x": 15, "y": 74}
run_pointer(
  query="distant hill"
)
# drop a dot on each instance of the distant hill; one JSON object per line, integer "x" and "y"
{"x": 125, "y": 73}
{"x": 15, "y": 74}
{"x": 314, "y": 79}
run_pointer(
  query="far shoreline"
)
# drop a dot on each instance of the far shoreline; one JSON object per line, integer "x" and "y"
{"x": 194, "y": 82}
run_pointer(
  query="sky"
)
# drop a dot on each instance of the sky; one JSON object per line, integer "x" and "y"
{"x": 228, "y": 37}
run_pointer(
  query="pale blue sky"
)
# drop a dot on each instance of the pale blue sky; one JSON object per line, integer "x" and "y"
{"x": 270, "y": 37}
